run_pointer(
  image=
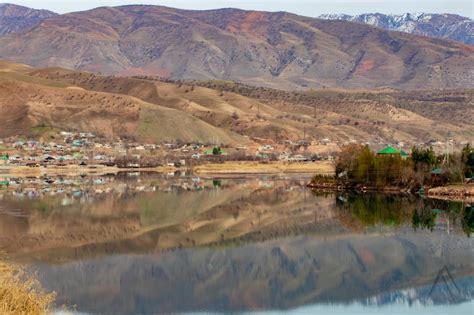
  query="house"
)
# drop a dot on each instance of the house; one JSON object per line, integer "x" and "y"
{"x": 404, "y": 154}
{"x": 15, "y": 158}
{"x": 284, "y": 156}
{"x": 325, "y": 141}
{"x": 389, "y": 150}
{"x": 299, "y": 158}
{"x": 266, "y": 147}
{"x": 48, "y": 158}
{"x": 439, "y": 177}
{"x": 77, "y": 143}
{"x": 100, "y": 157}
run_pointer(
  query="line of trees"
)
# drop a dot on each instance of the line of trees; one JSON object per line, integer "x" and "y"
{"x": 359, "y": 165}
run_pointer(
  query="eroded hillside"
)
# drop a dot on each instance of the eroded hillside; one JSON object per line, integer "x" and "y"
{"x": 275, "y": 114}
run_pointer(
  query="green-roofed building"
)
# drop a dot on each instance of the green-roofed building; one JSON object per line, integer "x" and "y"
{"x": 437, "y": 171}
{"x": 388, "y": 151}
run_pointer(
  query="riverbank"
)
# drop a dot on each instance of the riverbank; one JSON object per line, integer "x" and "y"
{"x": 75, "y": 170}
{"x": 453, "y": 192}
{"x": 239, "y": 167}
{"x": 248, "y": 167}
{"x": 332, "y": 185}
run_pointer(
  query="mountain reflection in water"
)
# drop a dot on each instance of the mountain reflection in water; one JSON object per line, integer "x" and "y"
{"x": 153, "y": 244}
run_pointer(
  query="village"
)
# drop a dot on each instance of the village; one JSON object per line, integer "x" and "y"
{"x": 88, "y": 151}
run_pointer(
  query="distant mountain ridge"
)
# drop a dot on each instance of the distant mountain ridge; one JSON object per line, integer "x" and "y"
{"x": 279, "y": 50}
{"x": 448, "y": 26}
{"x": 15, "y": 18}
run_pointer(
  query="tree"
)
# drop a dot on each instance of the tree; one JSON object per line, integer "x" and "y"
{"x": 216, "y": 151}
{"x": 346, "y": 157}
{"x": 422, "y": 156}
{"x": 467, "y": 157}
{"x": 423, "y": 160}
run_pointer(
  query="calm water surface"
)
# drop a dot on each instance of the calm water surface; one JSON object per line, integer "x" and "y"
{"x": 148, "y": 244}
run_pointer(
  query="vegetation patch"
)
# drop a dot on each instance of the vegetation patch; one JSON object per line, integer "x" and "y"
{"x": 21, "y": 293}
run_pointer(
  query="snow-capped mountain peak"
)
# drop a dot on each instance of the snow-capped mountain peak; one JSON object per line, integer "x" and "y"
{"x": 449, "y": 26}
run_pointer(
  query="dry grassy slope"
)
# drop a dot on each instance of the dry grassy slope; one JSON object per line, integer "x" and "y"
{"x": 274, "y": 49}
{"x": 30, "y": 102}
{"x": 335, "y": 114}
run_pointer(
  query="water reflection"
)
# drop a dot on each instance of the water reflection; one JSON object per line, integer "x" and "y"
{"x": 396, "y": 210}
{"x": 146, "y": 243}
{"x": 281, "y": 274}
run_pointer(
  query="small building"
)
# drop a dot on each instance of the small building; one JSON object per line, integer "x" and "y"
{"x": 389, "y": 150}
{"x": 404, "y": 154}
{"x": 439, "y": 177}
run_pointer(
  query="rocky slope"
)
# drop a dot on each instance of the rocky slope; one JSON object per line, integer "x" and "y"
{"x": 449, "y": 26}
{"x": 15, "y": 18}
{"x": 280, "y": 50}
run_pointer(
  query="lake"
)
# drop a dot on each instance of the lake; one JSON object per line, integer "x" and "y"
{"x": 144, "y": 243}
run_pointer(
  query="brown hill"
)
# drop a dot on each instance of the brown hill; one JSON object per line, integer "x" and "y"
{"x": 29, "y": 104}
{"x": 35, "y": 101}
{"x": 278, "y": 115}
{"x": 272, "y": 49}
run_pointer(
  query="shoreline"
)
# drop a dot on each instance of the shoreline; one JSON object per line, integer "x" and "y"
{"x": 25, "y": 171}
{"x": 226, "y": 168}
{"x": 453, "y": 192}
{"x": 253, "y": 168}
{"x": 462, "y": 193}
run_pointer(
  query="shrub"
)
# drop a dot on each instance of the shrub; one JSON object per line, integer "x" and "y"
{"x": 21, "y": 293}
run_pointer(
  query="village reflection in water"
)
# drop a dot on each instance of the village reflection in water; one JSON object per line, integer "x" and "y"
{"x": 149, "y": 243}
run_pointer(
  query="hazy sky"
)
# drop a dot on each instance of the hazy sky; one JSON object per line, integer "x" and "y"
{"x": 303, "y": 7}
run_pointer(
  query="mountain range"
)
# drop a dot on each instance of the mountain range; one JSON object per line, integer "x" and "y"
{"x": 279, "y": 50}
{"x": 449, "y": 26}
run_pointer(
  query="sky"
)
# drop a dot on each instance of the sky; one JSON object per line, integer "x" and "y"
{"x": 303, "y": 7}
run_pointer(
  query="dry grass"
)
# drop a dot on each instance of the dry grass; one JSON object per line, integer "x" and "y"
{"x": 322, "y": 168}
{"x": 21, "y": 293}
